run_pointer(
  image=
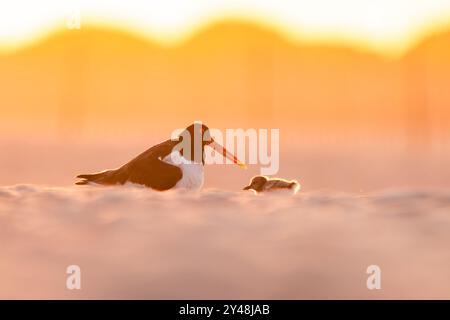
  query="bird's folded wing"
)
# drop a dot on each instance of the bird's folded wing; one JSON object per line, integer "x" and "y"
{"x": 155, "y": 174}
{"x": 148, "y": 169}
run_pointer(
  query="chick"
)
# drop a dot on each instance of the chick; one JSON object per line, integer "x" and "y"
{"x": 264, "y": 184}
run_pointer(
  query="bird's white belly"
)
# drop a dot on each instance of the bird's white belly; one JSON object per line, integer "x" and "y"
{"x": 192, "y": 172}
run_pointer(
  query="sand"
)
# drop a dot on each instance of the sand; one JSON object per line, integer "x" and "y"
{"x": 135, "y": 243}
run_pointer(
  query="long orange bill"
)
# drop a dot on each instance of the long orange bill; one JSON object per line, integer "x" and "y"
{"x": 219, "y": 148}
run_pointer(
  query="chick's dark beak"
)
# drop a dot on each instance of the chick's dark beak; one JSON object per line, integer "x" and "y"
{"x": 247, "y": 188}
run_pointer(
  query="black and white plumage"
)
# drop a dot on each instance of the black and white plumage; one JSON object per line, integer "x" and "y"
{"x": 164, "y": 166}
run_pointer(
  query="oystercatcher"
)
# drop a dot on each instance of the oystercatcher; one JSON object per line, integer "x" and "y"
{"x": 170, "y": 164}
{"x": 263, "y": 184}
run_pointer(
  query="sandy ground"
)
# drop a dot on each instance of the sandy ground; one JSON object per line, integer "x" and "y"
{"x": 135, "y": 243}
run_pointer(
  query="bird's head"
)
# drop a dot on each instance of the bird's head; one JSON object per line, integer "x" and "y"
{"x": 257, "y": 183}
{"x": 195, "y": 137}
{"x": 197, "y": 133}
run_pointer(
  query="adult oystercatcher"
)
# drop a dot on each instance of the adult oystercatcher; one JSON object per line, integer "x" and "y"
{"x": 174, "y": 163}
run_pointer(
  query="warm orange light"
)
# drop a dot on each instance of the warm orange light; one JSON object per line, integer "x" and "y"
{"x": 384, "y": 26}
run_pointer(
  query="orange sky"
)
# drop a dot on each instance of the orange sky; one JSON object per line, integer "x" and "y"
{"x": 384, "y": 26}
{"x": 95, "y": 97}
{"x": 233, "y": 73}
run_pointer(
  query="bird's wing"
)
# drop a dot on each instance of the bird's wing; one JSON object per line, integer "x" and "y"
{"x": 159, "y": 151}
{"x": 148, "y": 168}
{"x": 276, "y": 184}
{"x": 269, "y": 185}
{"x": 155, "y": 174}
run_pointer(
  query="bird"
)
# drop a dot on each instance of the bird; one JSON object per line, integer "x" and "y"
{"x": 173, "y": 164}
{"x": 261, "y": 184}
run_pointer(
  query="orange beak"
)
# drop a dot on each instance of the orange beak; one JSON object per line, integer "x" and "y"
{"x": 217, "y": 147}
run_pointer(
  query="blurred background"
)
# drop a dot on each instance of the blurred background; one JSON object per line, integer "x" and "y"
{"x": 359, "y": 91}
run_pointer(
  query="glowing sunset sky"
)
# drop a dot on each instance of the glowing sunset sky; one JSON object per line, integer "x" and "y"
{"x": 383, "y": 25}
